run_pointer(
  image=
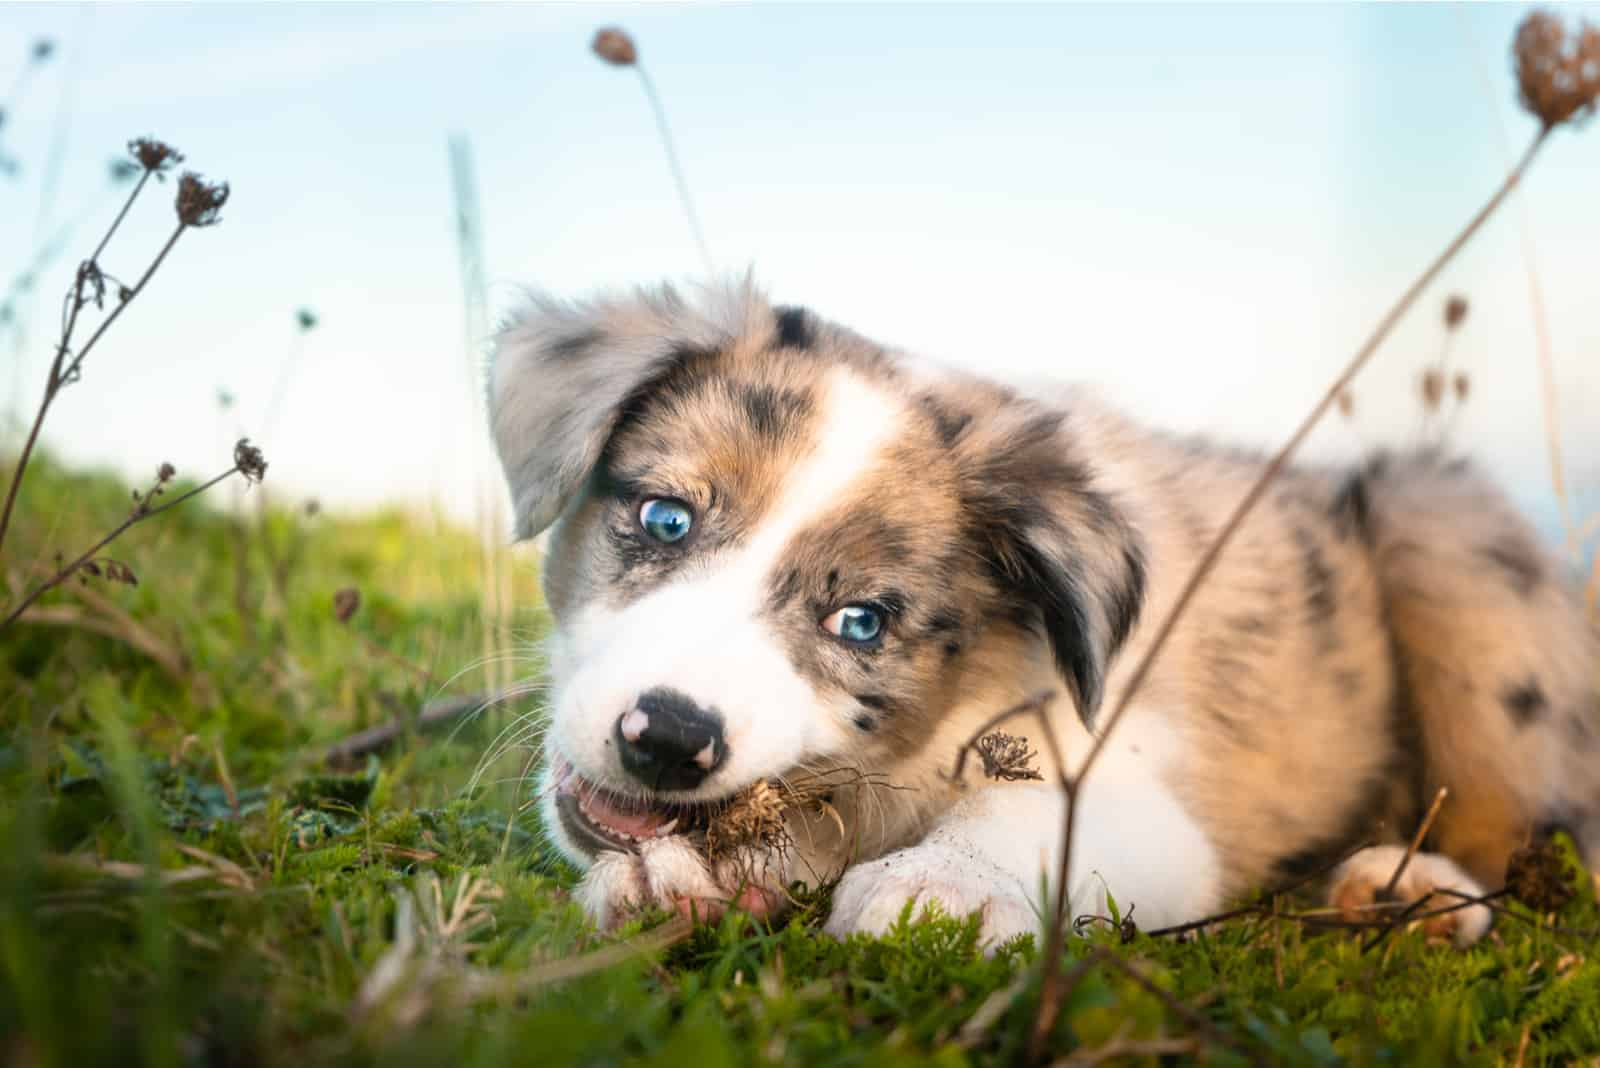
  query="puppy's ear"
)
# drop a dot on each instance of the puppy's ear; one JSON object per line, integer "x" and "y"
{"x": 562, "y": 374}
{"x": 1057, "y": 542}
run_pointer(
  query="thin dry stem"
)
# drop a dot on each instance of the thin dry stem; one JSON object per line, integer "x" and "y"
{"x": 677, "y": 169}
{"x": 1416, "y": 842}
{"x": 62, "y": 372}
{"x": 1049, "y": 994}
{"x": 1549, "y": 394}
{"x": 138, "y": 515}
{"x": 1033, "y": 705}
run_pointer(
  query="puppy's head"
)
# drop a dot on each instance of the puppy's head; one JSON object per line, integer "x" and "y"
{"x": 777, "y": 547}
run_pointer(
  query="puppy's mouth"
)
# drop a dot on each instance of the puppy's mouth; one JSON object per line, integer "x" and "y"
{"x": 598, "y": 819}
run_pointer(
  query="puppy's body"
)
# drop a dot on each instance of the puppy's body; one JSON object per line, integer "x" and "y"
{"x": 1368, "y": 637}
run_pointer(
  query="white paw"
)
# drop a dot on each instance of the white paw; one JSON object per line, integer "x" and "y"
{"x": 1360, "y": 880}
{"x": 871, "y": 896}
{"x": 666, "y": 873}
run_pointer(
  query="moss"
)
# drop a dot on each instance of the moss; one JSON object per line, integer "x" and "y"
{"x": 184, "y": 883}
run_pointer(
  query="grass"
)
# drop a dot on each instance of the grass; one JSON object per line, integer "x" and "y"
{"x": 186, "y": 882}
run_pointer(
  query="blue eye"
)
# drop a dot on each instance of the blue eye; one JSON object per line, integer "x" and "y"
{"x": 665, "y": 519}
{"x": 857, "y": 623}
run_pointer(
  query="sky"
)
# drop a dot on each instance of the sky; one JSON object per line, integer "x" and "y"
{"x": 1201, "y": 209}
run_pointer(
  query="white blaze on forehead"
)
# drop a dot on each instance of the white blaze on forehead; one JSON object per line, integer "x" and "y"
{"x": 858, "y": 421}
{"x": 704, "y": 633}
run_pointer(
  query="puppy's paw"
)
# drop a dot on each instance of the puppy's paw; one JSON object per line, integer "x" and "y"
{"x": 871, "y": 896}
{"x": 612, "y": 890}
{"x": 1360, "y": 880}
{"x": 666, "y": 873}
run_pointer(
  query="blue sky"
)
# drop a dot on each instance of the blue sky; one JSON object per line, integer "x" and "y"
{"x": 1201, "y": 208}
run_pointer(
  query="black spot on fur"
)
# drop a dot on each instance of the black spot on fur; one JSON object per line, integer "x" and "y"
{"x": 795, "y": 330}
{"x": 772, "y": 412}
{"x": 683, "y": 364}
{"x": 574, "y": 345}
{"x": 1525, "y": 702}
{"x": 1320, "y": 597}
{"x": 877, "y": 702}
{"x": 1351, "y": 510}
{"x": 948, "y": 423}
{"x": 1518, "y": 559}
{"x": 1408, "y": 758}
{"x": 1127, "y": 599}
{"x": 866, "y": 723}
{"x": 943, "y": 621}
{"x": 952, "y": 649}
{"x": 785, "y": 588}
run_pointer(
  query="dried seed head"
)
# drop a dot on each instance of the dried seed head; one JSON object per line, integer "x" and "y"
{"x": 89, "y": 567}
{"x": 156, "y": 157}
{"x": 165, "y": 473}
{"x": 752, "y": 820}
{"x": 1558, "y": 73}
{"x": 346, "y": 603}
{"x": 615, "y": 47}
{"x": 199, "y": 202}
{"x": 1455, "y": 311}
{"x": 1007, "y": 757}
{"x": 1463, "y": 386}
{"x": 1347, "y": 404}
{"x": 248, "y": 459}
{"x": 1540, "y": 878}
{"x": 1432, "y": 388}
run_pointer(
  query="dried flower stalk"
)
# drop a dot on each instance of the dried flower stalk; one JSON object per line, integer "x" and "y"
{"x": 197, "y": 205}
{"x": 1050, "y": 988}
{"x": 143, "y": 508}
{"x": 616, "y": 47}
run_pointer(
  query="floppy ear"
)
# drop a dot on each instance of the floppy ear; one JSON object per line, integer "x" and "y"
{"x": 562, "y": 374}
{"x": 1057, "y": 543}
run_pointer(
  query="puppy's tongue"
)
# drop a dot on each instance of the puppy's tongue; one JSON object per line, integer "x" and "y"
{"x": 630, "y": 819}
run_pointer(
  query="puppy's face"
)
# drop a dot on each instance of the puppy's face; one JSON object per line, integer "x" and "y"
{"x": 783, "y": 554}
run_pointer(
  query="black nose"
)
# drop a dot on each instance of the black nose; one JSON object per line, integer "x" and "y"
{"x": 668, "y": 742}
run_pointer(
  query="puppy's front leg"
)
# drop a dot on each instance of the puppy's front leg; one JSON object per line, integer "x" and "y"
{"x": 997, "y": 851}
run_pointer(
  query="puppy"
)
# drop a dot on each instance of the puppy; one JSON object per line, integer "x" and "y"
{"x": 781, "y": 552}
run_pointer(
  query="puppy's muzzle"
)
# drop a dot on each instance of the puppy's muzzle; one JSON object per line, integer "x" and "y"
{"x": 667, "y": 742}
